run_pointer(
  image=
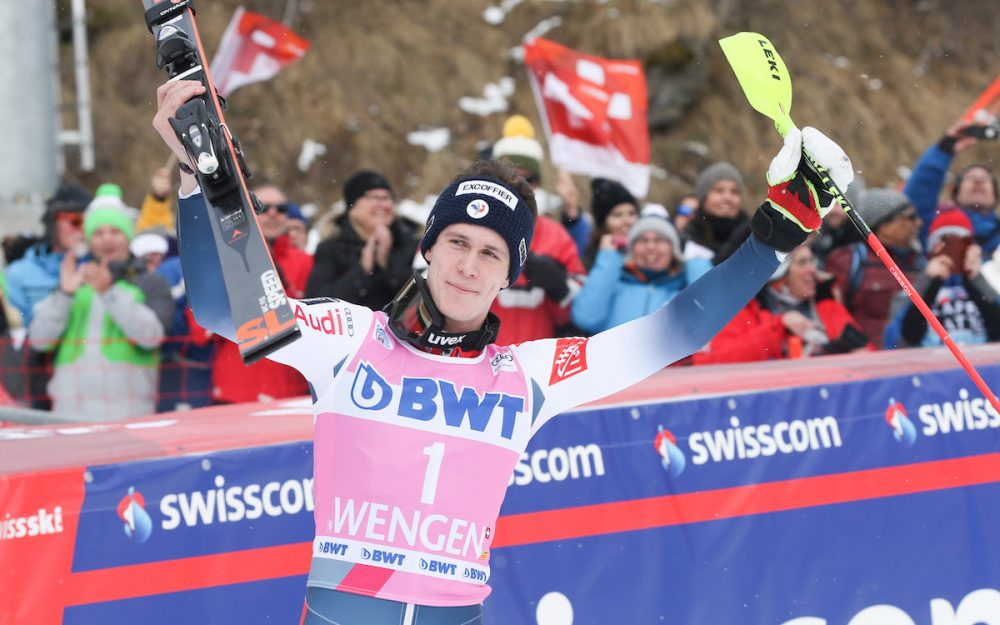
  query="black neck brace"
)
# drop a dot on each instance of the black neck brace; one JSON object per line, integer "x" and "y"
{"x": 414, "y": 318}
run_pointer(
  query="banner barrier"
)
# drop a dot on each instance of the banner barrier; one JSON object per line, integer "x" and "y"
{"x": 868, "y": 496}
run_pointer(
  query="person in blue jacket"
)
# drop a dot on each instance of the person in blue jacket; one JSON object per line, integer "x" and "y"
{"x": 620, "y": 288}
{"x": 974, "y": 191}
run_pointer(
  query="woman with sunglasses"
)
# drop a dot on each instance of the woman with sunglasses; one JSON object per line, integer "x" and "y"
{"x": 865, "y": 283}
{"x": 420, "y": 417}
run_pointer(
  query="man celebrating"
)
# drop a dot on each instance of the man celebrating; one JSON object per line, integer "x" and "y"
{"x": 974, "y": 190}
{"x": 418, "y": 412}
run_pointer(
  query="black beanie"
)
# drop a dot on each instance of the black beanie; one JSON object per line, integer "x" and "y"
{"x": 362, "y": 182}
{"x": 68, "y": 198}
{"x": 605, "y": 195}
{"x": 487, "y": 202}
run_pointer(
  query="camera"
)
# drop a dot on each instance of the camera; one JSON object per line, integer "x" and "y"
{"x": 988, "y": 132}
{"x": 954, "y": 247}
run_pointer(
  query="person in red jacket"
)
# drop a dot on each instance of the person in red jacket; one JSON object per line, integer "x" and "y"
{"x": 789, "y": 318}
{"x": 232, "y": 381}
{"x": 538, "y": 303}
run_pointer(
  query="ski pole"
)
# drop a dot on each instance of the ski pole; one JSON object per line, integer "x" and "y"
{"x": 767, "y": 85}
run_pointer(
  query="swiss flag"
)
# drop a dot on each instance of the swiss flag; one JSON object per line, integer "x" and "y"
{"x": 253, "y": 48}
{"x": 594, "y": 112}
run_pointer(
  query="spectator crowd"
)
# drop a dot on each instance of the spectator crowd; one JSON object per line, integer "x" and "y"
{"x": 96, "y": 324}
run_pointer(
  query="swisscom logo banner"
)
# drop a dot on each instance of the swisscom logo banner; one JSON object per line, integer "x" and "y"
{"x": 862, "y": 504}
{"x": 229, "y": 501}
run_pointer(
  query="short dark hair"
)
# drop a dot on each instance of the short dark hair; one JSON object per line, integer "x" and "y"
{"x": 505, "y": 172}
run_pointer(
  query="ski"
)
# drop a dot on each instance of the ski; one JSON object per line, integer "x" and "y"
{"x": 260, "y": 313}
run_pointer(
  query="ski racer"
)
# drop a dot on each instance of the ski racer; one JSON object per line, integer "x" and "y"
{"x": 420, "y": 417}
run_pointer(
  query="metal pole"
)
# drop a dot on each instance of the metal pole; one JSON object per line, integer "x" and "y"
{"x": 82, "y": 70}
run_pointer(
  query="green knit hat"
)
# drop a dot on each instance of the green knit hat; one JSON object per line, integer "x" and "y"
{"x": 106, "y": 216}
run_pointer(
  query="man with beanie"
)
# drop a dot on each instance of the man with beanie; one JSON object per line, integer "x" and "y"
{"x": 974, "y": 190}
{"x": 538, "y": 303}
{"x": 624, "y": 287}
{"x": 298, "y": 228}
{"x": 954, "y": 288}
{"x": 369, "y": 255}
{"x": 36, "y": 274}
{"x": 865, "y": 283}
{"x": 419, "y": 409}
{"x": 719, "y": 216}
{"x": 105, "y": 323}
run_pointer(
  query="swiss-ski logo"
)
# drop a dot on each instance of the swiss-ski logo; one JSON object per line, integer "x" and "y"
{"x": 570, "y": 359}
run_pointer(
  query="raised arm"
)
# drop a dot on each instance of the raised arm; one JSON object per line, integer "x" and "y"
{"x": 570, "y": 372}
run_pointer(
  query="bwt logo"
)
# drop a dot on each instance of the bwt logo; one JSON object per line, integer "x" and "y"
{"x": 380, "y": 555}
{"x": 132, "y": 511}
{"x": 671, "y": 456}
{"x": 437, "y": 566}
{"x": 427, "y": 399}
{"x": 903, "y": 429}
{"x": 474, "y": 574}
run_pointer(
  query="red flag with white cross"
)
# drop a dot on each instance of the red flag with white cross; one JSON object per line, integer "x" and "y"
{"x": 594, "y": 112}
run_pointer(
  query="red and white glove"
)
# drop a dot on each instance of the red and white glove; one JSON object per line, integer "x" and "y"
{"x": 797, "y": 198}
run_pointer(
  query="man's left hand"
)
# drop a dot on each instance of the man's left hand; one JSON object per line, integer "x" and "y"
{"x": 97, "y": 275}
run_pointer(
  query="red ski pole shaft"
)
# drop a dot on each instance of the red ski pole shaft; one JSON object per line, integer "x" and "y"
{"x": 903, "y": 281}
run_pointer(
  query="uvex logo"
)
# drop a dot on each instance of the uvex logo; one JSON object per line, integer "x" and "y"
{"x": 449, "y": 340}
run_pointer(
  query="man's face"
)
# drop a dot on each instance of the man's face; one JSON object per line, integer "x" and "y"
{"x": 110, "y": 244}
{"x": 801, "y": 276}
{"x": 467, "y": 267}
{"x": 297, "y": 233}
{"x": 723, "y": 199}
{"x": 900, "y": 231}
{"x": 976, "y": 190}
{"x": 652, "y": 251}
{"x": 274, "y": 220}
{"x": 376, "y": 207}
{"x": 69, "y": 232}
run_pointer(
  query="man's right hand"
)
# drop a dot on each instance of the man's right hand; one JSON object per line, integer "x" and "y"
{"x": 170, "y": 97}
{"x": 938, "y": 267}
{"x": 796, "y": 323}
{"x": 957, "y": 133}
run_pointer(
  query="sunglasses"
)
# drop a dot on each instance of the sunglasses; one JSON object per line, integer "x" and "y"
{"x": 281, "y": 208}
{"x": 911, "y": 216}
{"x": 73, "y": 219}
